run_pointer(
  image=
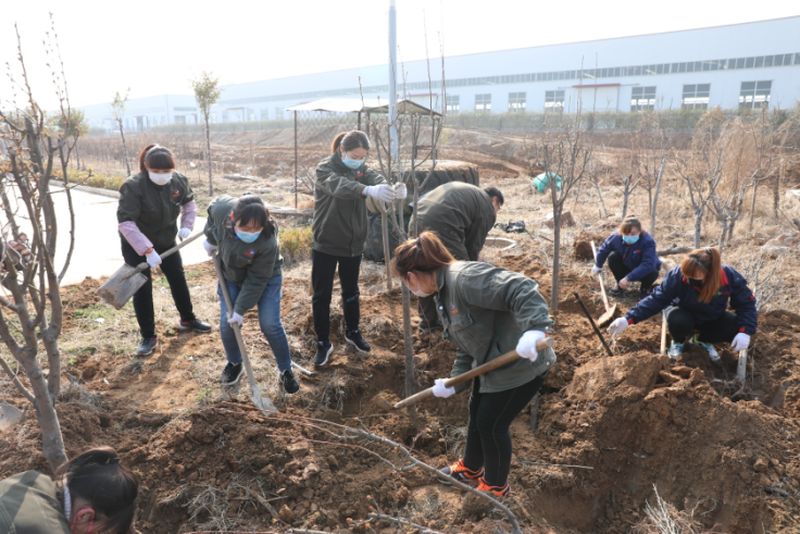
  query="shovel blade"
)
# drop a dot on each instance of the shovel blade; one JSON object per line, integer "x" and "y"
{"x": 607, "y": 317}
{"x": 121, "y": 286}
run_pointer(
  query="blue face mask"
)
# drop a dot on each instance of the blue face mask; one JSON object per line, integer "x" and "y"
{"x": 630, "y": 239}
{"x": 247, "y": 237}
{"x": 351, "y": 163}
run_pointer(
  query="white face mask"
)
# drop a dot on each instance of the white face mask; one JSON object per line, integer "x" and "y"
{"x": 160, "y": 178}
{"x": 419, "y": 293}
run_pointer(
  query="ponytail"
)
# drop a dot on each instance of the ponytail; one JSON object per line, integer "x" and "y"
{"x": 350, "y": 141}
{"x": 426, "y": 253}
{"x": 708, "y": 263}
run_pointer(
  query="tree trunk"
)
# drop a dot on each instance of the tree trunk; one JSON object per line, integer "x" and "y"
{"x": 208, "y": 157}
{"x": 753, "y": 206}
{"x": 124, "y": 149}
{"x": 625, "y": 197}
{"x": 604, "y": 212}
{"x": 556, "y": 260}
{"x": 52, "y": 440}
{"x": 776, "y": 191}
{"x": 698, "y": 223}
{"x": 654, "y": 205}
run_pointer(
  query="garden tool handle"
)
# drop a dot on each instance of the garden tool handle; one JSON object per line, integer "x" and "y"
{"x": 143, "y": 266}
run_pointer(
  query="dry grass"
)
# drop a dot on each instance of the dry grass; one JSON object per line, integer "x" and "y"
{"x": 663, "y": 518}
{"x": 296, "y": 244}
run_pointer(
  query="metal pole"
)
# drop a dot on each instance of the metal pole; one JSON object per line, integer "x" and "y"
{"x": 393, "y": 140}
{"x": 295, "y": 159}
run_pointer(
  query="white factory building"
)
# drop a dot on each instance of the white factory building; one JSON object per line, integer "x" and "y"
{"x": 749, "y": 65}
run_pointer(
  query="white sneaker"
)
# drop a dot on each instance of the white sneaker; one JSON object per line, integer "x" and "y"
{"x": 713, "y": 355}
{"x": 675, "y": 350}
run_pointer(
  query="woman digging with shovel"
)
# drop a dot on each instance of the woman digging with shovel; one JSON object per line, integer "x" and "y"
{"x": 631, "y": 254}
{"x": 487, "y": 311}
{"x": 149, "y": 205}
{"x": 245, "y": 241}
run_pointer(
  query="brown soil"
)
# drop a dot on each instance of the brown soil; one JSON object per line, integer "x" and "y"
{"x": 610, "y": 429}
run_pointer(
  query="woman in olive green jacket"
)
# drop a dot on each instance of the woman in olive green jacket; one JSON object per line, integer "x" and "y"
{"x": 486, "y": 311}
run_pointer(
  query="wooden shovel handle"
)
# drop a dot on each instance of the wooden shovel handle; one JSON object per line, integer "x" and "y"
{"x": 600, "y": 277}
{"x": 142, "y": 266}
{"x": 491, "y": 365}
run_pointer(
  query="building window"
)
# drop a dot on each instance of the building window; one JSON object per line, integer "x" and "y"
{"x": 554, "y": 100}
{"x": 453, "y": 104}
{"x": 754, "y": 95}
{"x": 483, "y": 102}
{"x": 643, "y": 98}
{"x": 696, "y": 96}
{"x": 516, "y": 101}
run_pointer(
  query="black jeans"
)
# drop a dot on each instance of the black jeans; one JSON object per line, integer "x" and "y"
{"x": 682, "y": 325}
{"x": 323, "y": 268}
{"x": 488, "y": 436}
{"x": 621, "y": 271}
{"x": 172, "y": 267}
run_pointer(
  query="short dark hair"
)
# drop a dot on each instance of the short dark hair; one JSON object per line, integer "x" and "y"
{"x": 156, "y": 157}
{"x": 630, "y": 223}
{"x": 250, "y": 208}
{"x": 97, "y": 476}
{"x": 493, "y": 192}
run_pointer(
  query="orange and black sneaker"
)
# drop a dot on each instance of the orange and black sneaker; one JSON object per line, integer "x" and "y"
{"x": 462, "y": 473}
{"x": 497, "y": 491}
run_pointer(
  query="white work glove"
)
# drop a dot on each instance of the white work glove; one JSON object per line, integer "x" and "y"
{"x": 183, "y": 233}
{"x": 400, "y": 191}
{"x": 618, "y": 326}
{"x": 624, "y": 283}
{"x": 235, "y": 318}
{"x": 740, "y": 342}
{"x": 381, "y": 192}
{"x": 596, "y": 270}
{"x": 210, "y": 249}
{"x": 153, "y": 259}
{"x": 442, "y": 391}
{"x": 526, "y": 346}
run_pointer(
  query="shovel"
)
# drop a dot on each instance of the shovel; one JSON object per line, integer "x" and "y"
{"x": 262, "y": 403}
{"x": 491, "y": 365}
{"x": 127, "y": 280}
{"x": 611, "y": 311}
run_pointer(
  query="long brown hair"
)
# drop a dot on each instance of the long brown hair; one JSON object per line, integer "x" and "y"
{"x": 156, "y": 157}
{"x": 97, "y": 476}
{"x": 350, "y": 141}
{"x": 704, "y": 262}
{"x": 426, "y": 253}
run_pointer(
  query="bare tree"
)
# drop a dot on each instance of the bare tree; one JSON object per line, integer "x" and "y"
{"x": 701, "y": 169}
{"x": 31, "y": 311}
{"x": 118, "y": 110}
{"x": 566, "y": 156}
{"x": 652, "y": 156}
{"x": 206, "y": 92}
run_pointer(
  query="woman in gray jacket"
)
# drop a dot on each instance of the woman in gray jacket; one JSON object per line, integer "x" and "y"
{"x": 486, "y": 311}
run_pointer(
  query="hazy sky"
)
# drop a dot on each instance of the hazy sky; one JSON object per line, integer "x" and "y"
{"x": 156, "y": 47}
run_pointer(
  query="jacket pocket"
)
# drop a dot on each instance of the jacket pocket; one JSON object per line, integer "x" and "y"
{"x": 462, "y": 330}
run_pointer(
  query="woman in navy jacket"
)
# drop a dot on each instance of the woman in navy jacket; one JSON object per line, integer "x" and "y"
{"x": 631, "y": 254}
{"x": 699, "y": 291}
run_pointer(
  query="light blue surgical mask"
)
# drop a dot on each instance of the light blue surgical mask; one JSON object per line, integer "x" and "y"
{"x": 247, "y": 237}
{"x": 630, "y": 239}
{"x": 351, "y": 163}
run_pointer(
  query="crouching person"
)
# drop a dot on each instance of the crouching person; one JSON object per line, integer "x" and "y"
{"x": 487, "y": 311}
{"x": 631, "y": 255}
{"x": 702, "y": 288}
{"x": 93, "y": 493}
{"x": 245, "y": 238}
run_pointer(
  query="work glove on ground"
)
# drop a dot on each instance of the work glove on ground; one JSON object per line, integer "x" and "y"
{"x": 740, "y": 342}
{"x": 596, "y": 270}
{"x": 400, "y": 191}
{"x": 183, "y": 233}
{"x": 442, "y": 391}
{"x": 526, "y": 346}
{"x": 210, "y": 249}
{"x": 381, "y": 192}
{"x": 153, "y": 259}
{"x": 618, "y": 326}
{"x": 235, "y": 318}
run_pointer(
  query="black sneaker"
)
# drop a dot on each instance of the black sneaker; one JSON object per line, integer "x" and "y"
{"x": 147, "y": 346}
{"x": 324, "y": 351}
{"x": 288, "y": 382}
{"x": 195, "y": 324}
{"x": 354, "y": 338}
{"x": 231, "y": 374}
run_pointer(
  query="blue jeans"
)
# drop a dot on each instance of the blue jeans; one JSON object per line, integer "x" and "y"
{"x": 269, "y": 318}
